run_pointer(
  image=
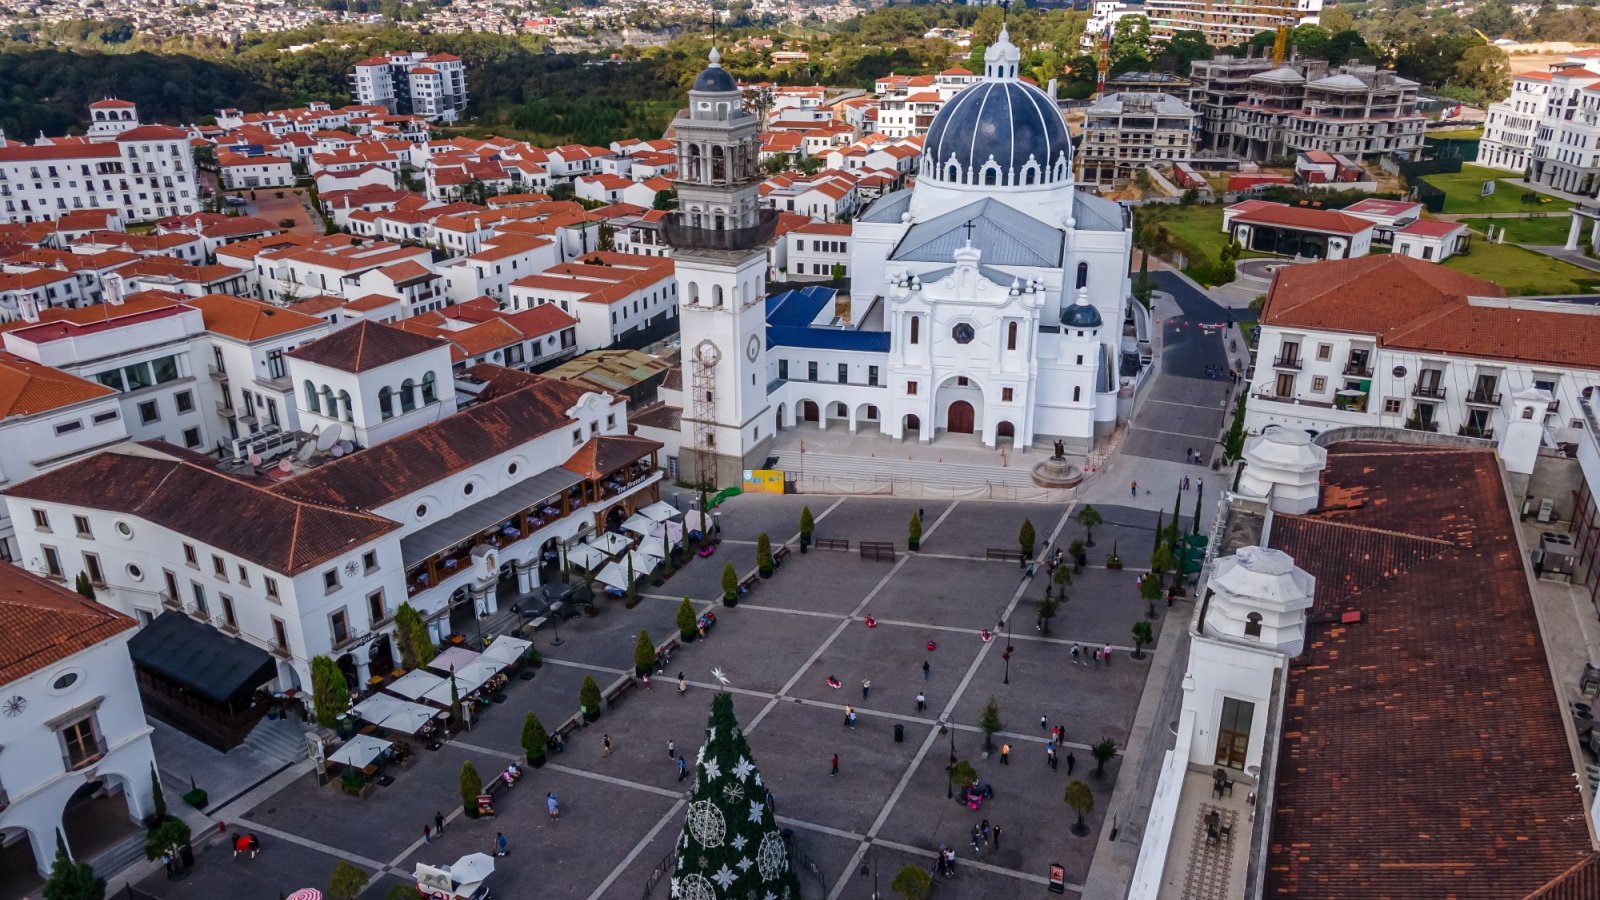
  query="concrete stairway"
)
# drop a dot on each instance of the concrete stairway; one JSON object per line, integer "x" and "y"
{"x": 823, "y": 465}
{"x": 119, "y": 856}
{"x": 281, "y": 740}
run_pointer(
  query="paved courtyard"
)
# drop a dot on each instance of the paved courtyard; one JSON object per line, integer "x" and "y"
{"x": 886, "y": 807}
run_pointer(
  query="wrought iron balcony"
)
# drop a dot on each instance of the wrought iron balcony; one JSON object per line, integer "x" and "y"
{"x": 1428, "y": 391}
{"x": 73, "y": 760}
{"x": 1358, "y": 370}
{"x": 1483, "y": 398}
{"x": 1287, "y": 362}
{"x": 1415, "y": 424}
{"x": 682, "y": 234}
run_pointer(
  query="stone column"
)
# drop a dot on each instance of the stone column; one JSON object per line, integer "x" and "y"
{"x": 525, "y": 570}
{"x": 1574, "y": 231}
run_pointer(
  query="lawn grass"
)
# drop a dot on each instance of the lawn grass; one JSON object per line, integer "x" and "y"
{"x": 1463, "y": 189}
{"x": 1456, "y": 134}
{"x": 1547, "y": 231}
{"x": 1198, "y": 226}
{"x": 1524, "y": 272}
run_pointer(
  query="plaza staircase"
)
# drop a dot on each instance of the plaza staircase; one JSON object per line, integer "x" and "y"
{"x": 280, "y": 740}
{"x": 119, "y": 856}
{"x": 825, "y": 466}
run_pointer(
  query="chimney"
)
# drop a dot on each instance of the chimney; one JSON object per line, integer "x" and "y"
{"x": 113, "y": 286}
{"x": 28, "y": 307}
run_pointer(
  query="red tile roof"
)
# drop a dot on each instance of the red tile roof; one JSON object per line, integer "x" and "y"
{"x": 1423, "y": 752}
{"x": 1431, "y": 228}
{"x": 27, "y": 387}
{"x": 605, "y": 453}
{"x": 41, "y": 622}
{"x": 249, "y": 320}
{"x": 363, "y": 346}
{"x": 1308, "y": 219}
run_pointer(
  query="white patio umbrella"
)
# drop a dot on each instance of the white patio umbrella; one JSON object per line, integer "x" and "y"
{"x": 410, "y": 719}
{"x": 659, "y": 511}
{"x": 674, "y": 534}
{"x": 470, "y": 871}
{"x": 360, "y": 750}
{"x": 586, "y": 557}
{"x": 639, "y": 524}
{"x": 645, "y": 563}
{"x": 506, "y": 650}
{"x": 614, "y": 575}
{"x": 611, "y": 544}
{"x": 414, "y": 684}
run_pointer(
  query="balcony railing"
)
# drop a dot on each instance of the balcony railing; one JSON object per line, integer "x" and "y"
{"x": 217, "y": 374}
{"x": 1428, "y": 391}
{"x": 1475, "y": 431}
{"x": 1357, "y": 370}
{"x": 1287, "y": 362}
{"x": 72, "y": 762}
{"x": 1555, "y": 406}
{"x": 170, "y": 602}
{"x": 1483, "y": 398}
{"x": 1414, "y": 424}
{"x": 682, "y": 234}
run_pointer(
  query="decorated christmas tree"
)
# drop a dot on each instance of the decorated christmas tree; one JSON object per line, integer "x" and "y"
{"x": 730, "y": 848}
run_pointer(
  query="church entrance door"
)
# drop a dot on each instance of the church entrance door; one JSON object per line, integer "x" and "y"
{"x": 808, "y": 411}
{"x": 959, "y": 419}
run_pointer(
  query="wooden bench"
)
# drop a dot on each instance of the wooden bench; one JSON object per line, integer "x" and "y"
{"x": 614, "y": 696}
{"x": 669, "y": 646}
{"x": 877, "y": 550}
{"x": 749, "y": 582}
{"x": 564, "y": 730}
{"x": 832, "y": 544}
{"x": 998, "y": 553}
{"x": 780, "y": 554}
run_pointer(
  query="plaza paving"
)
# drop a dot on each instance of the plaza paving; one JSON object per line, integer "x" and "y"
{"x": 887, "y": 806}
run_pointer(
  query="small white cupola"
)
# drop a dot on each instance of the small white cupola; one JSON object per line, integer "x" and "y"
{"x": 1259, "y": 594}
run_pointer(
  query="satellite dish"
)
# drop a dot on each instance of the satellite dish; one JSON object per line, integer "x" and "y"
{"x": 326, "y": 438}
{"x": 337, "y": 451}
{"x": 346, "y": 446}
{"x": 254, "y": 459}
{"x": 306, "y": 451}
{"x": 286, "y": 465}
{"x": 336, "y": 429}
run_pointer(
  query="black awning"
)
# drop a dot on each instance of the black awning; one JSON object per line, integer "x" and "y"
{"x": 218, "y": 668}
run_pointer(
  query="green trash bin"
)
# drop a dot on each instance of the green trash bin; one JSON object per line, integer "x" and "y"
{"x": 899, "y": 733}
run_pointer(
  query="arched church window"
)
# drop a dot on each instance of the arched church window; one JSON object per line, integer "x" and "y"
{"x": 716, "y": 296}
{"x": 1011, "y": 336}
{"x": 1077, "y": 393}
{"x": 1083, "y": 274}
{"x": 430, "y": 392}
{"x": 1252, "y": 625}
{"x": 386, "y": 402}
{"x": 916, "y": 329}
{"x": 313, "y": 402}
{"x": 991, "y": 175}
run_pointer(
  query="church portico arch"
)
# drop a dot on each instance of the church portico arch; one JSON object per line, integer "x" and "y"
{"x": 959, "y": 407}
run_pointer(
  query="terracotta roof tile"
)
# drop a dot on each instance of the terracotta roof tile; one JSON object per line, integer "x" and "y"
{"x": 363, "y": 346}
{"x": 249, "y": 320}
{"x": 605, "y": 453}
{"x": 27, "y": 387}
{"x": 42, "y": 622}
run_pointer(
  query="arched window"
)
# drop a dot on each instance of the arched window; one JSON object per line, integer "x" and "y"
{"x": 1077, "y": 393}
{"x": 386, "y": 402}
{"x": 952, "y": 172}
{"x": 991, "y": 175}
{"x": 716, "y": 296}
{"x": 429, "y": 393}
{"x": 694, "y": 293}
{"x": 408, "y": 395}
{"x": 1011, "y": 336}
{"x": 1252, "y": 625}
{"x": 719, "y": 166}
{"x": 1083, "y": 274}
{"x": 916, "y": 329}
{"x": 349, "y": 414}
{"x": 329, "y": 403}
{"x": 313, "y": 402}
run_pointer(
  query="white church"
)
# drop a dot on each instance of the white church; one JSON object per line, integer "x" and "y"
{"x": 991, "y": 299}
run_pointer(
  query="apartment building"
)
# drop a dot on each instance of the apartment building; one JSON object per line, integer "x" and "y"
{"x": 1226, "y": 22}
{"x": 143, "y": 172}
{"x": 612, "y": 295}
{"x": 817, "y": 249}
{"x": 411, "y": 82}
{"x": 1251, "y": 110}
{"x": 1548, "y": 129}
{"x": 1398, "y": 342}
{"x": 1123, "y": 133}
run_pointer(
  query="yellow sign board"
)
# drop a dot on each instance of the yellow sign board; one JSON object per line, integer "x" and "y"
{"x": 765, "y": 480}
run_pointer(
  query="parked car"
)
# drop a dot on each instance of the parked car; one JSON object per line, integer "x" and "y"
{"x": 235, "y": 200}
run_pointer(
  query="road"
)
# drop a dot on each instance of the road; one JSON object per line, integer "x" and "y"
{"x": 1183, "y": 408}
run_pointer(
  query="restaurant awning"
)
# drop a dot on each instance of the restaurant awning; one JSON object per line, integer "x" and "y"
{"x": 414, "y": 684}
{"x": 218, "y": 668}
{"x": 453, "y": 660}
{"x": 639, "y": 523}
{"x": 506, "y": 650}
{"x": 660, "y": 511}
{"x": 614, "y": 575}
{"x": 360, "y": 751}
{"x": 394, "y": 714}
{"x": 483, "y": 515}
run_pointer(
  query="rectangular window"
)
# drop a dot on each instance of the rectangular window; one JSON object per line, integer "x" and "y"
{"x": 375, "y": 608}
{"x": 191, "y": 438}
{"x": 1391, "y": 406}
{"x": 1006, "y": 394}
{"x": 219, "y": 567}
{"x": 1324, "y": 351}
{"x": 369, "y": 561}
{"x": 271, "y": 586}
{"x": 811, "y": 371}
{"x": 844, "y": 373}
{"x": 228, "y": 616}
{"x": 280, "y": 635}
{"x": 911, "y": 388}
{"x": 91, "y": 564}
{"x": 184, "y": 401}
{"x": 783, "y": 369}
{"x": 41, "y": 520}
{"x": 244, "y": 575}
{"x": 81, "y": 523}
{"x": 1318, "y": 384}
{"x": 339, "y": 627}
{"x": 52, "y": 562}
{"x": 199, "y": 591}
{"x": 330, "y": 580}
{"x": 189, "y": 556}
{"x": 107, "y": 416}
{"x": 69, "y": 427}
{"x": 149, "y": 412}
{"x": 1233, "y": 732}
{"x": 81, "y": 744}
{"x": 872, "y": 375}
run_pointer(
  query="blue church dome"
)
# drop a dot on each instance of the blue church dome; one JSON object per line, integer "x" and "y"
{"x": 1080, "y": 315}
{"x": 714, "y": 78}
{"x": 999, "y": 132}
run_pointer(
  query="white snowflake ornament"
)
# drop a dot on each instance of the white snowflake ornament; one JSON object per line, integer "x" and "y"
{"x": 772, "y": 859}
{"x": 706, "y": 823}
{"x": 724, "y": 877}
{"x": 743, "y": 769}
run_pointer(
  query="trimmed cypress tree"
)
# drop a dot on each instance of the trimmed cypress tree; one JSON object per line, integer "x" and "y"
{"x": 807, "y": 526}
{"x": 470, "y": 785}
{"x": 589, "y": 696}
{"x": 1026, "y": 538}
{"x": 730, "y": 586}
{"x": 76, "y": 880}
{"x": 330, "y": 694}
{"x": 914, "y": 534}
{"x": 764, "y": 554}
{"x": 730, "y": 845}
{"x": 686, "y": 620}
{"x": 82, "y": 585}
{"x": 534, "y": 739}
{"x": 644, "y": 653}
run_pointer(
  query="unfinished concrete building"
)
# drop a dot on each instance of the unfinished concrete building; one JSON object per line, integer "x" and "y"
{"x": 1124, "y": 132}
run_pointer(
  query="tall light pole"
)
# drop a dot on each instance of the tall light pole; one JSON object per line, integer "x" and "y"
{"x": 1003, "y": 623}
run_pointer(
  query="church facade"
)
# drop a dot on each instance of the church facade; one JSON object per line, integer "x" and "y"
{"x": 990, "y": 299}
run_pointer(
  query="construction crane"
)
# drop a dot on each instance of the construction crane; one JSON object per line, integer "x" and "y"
{"x": 1102, "y": 65}
{"x": 1280, "y": 41}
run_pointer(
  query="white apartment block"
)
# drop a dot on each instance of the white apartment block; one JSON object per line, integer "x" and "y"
{"x": 610, "y": 294}
{"x": 144, "y": 172}
{"x": 1548, "y": 129}
{"x": 816, "y": 248}
{"x": 1224, "y": 23}
{"x": 240, "y": 172}
{"x": 1397, "y": 342}
{"x": 412, "y": 83}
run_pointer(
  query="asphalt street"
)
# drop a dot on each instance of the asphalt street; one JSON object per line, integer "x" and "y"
{"x": 1184, "y": 407}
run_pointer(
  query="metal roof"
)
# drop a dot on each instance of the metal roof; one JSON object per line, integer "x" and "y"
{"x": 1006, "y": 236}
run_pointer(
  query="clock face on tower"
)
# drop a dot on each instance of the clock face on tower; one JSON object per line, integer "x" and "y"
{"x": 707, "y": 353}
{"x": 753, "y": 349}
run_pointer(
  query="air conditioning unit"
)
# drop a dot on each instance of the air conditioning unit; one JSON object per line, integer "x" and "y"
{"x": 270, "y": 443}
{"x": 1557, "y": 555}
{"x": 1547, "y": 510}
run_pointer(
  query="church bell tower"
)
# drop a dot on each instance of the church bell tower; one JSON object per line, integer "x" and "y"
{"x": 719, "y": 236}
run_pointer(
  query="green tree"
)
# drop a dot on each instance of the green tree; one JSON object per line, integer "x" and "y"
{"x": 644, "y": 653}
{"x": 807, "y": 526}
{"x": 1183, "y": 50}
{"x": 764, "y": 554}
{"x": 1061, "y": 579}
{"x": 170, "y": 831}
{"x": 456, "y": 712}
{"x": 1143, "y": 633}
{"x": 1175, "y": 527}
{"x": 1158, "y": 562}
{"x": 1048, "y": 608}
{"x": 912, "y": 883}
{"x": 1026, "y": 538}
{"x": 83, "y": 586}
{"x": 158, "y": 798}
{"x": 730, "y": 821}
{"x": 470, "y": 785}
{"x": 589, "y": 696}
{"x": 1150, "y": 592}
{"x": 1081, "y": 800}
{"x": 962, "y": 774}
{"x": 730, "y": 586}
{"x": 811, "y": 165}
{"x": 1143, "y": 287}
{"x": 1130, "y": 44}
{"x": 1089, "y": 517}
{"x": 1075, "y": 550}
{"x": 1485, "y": 69}
{"x": 330, "y": 694}
{"x": 534, "y": 739}
{"x": 777, "y": 162}
{"x": 1336, "y": 19}
{"x": 914, "y": 532}
{"x": 411, "y": 633}
{"x": 1103, "y": 751}
{"x": 633, "y": 587}
{"x": 347, "y": 881}
{"x": 72, "y": 880}
{"x": 1233, "y": 444}
{"x": 686, "y": 620}
{"x": 989, "y": 722}
{"x": 665, "y": 199}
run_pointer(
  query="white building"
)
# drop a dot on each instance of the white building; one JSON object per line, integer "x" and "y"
{"x": 245, "y": 172}
{"x": 989, "y": 300}
{"x": 412, "y": 83}
{"x": 816, "y": 249}
{"x": 1548, "y": 129}
{"x": 612, "y": 295}
{"x": 144, "y": 172}
{"x": 1392, "y": 341}
{"x": 75, "y": 731}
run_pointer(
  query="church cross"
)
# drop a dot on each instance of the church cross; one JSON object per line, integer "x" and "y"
{"x": 969, "y": 226}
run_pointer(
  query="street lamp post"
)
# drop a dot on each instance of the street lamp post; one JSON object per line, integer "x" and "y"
{"x": 949, "y": 781}
{"x": 716, "y": 523}
{"x": 1004, "y": 623}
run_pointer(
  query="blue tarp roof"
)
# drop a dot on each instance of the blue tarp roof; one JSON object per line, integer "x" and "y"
{"x": 789, "y": 318}
{"x": 798, "y": 307}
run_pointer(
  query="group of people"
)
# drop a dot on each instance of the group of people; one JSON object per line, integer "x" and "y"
{"x": 983, "y": 834}
{"x": 1097, "y": 654}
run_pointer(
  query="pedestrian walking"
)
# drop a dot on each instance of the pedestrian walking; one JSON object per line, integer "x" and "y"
{"x": 866, "y": 686}
{"x": 950, "y": 861}
{"x": 924, "y": 670}
{"x": 985, "y": 827}
{"x": 1097, "y": 657}
{"x": 849, "y": 714}
{"x": 1071, "y": 761}
{"x": 996, "y": 837}
{"x": 605, "y": 745}
{"x": 835, "y": 769}
{"x": 438, "y": 822}
{"x": 852, "y": 718}
{"x": 681, "y": 686}
{"x": 1106, "y": 655}
{"x": 552, "y": 806}
{"x": 1043, "y": 723}
{"x": 645, "y": 678}
{"x": 255, "y": 846}
{"x": 427, "y": 834}
{"x": 672, "y": 749}
{"x": 922, "y": 701}
{"x": 977, "y": 835}
{"x": 1005, "y": 754}
{"x": 1133, "y": 488}
{"x": 500, "y": 844}
{"x": 683, "y": 768}
{"x": 1077, "y": 655}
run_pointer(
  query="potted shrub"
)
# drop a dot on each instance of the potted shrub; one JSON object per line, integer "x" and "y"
{"x": 1079, "y": 557}
{"x": 764, "y": 555}
{"x": 807, "y": 526}
{"x": 730, "y": 586}
{"x": 1143, "y": 634}
{"x": 195, "y": 796}
{"x": 534, "y": 740}
{"x": 535, "y": 660}
{"x": 354, "y": 784}
{"x": 589, "y": 699}
{"x": 644, "y": 654}
{"x": 1113, "y": 561}
{"x": 686, "y": 621}
{"x": 914, "y": 533}
{"x": 471, "y": 786}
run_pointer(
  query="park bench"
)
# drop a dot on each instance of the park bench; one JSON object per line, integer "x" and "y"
{"x": 565, "y": 730}
{"x": 877, "y": 550}
{"x": 780, "y": 554}
{"x": 614, "y": 696}
{"x": 1003, "y": 555}
{"x": 749, "y": 582}
{"x": 832, "y": 544}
